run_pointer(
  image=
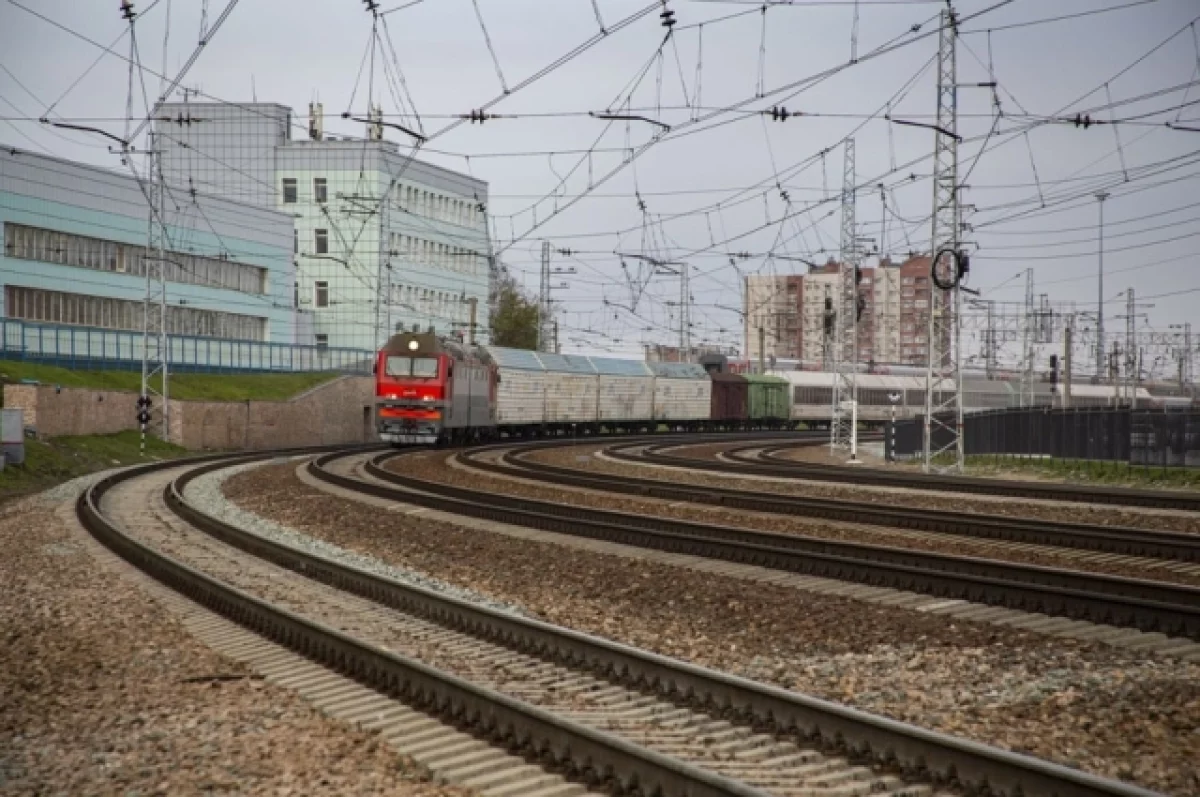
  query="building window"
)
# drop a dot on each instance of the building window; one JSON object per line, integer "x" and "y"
{"x": 321, "y": 293}
{"x": 289, "y": 190}
{"x": 57, "y": 307}
{"x": 34, "y": 243}
{"x": 295, "y": 241}
{"x": 322, "y": 341}
{"x": 319, "y": 190}
{"x": 321, "y": 241}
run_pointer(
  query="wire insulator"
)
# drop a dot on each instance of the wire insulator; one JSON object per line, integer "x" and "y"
{"x": 667, "y": 16}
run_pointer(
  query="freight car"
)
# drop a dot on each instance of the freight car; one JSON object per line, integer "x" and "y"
{"x": 430, "y": 389}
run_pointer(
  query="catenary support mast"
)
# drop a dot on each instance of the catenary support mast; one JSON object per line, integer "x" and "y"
{"x": 845, "y": 348}
{"x": 545, "y": 312}
{"x": 943, "y": 379}
{"x": 155, "y": 377}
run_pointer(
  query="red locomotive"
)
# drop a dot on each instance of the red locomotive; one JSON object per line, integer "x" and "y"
{"x": 429, "y": 390}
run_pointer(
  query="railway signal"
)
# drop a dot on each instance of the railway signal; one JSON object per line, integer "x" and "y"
{"x": 144, "y": 405}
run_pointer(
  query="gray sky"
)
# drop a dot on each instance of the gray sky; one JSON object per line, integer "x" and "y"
{"x": 716, "y": 179}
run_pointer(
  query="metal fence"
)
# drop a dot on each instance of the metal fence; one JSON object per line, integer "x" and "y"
{"x": 95, "y": 349}
{"x": 1167, "y": 438}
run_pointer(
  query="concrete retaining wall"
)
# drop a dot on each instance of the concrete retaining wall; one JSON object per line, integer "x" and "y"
{"x": 340, "y": 411}
{"x": 73, "y": 411}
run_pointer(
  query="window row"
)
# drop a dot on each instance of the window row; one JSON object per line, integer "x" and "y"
{"x": 56, "y": 307}
{"x": 867, "y": 397}
{"x": 291, "y": 190}
{"x": 444, "y": 256}
{"x": 50, "y": 246}
{"x": 440, "y": 304}
{"x": 462, "y": 212}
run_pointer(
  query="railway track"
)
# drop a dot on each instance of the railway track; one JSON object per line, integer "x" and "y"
{"x": 1154, "y": 606}
{"x": 1126, "y": 541}
{"x": 612, "y": 716}
{"x": 767, "y": 461}
{"x": 605, "y": 714}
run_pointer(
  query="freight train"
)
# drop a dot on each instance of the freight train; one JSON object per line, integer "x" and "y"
{"x": 430, "y": 389}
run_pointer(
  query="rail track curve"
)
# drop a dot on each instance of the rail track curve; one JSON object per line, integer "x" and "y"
{"x": 1130, "y": 541}
{"x": 762, "y": 460}
{"x": 582, "y": 752}
{"x": 1146, "y": 605}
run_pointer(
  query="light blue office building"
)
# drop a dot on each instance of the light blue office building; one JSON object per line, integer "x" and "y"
{"x": 383, "y": 241}
{"x": 73, "y": 273}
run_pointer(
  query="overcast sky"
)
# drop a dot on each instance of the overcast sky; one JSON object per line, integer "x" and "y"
{"x": 712, "y": 183}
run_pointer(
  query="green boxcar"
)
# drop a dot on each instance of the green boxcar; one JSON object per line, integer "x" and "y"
{"x": 767, "y": 399}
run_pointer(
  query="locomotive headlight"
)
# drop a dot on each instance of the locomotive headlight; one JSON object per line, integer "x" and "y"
{"x": 426, "y": 398}
{"x": 413, "y": 345}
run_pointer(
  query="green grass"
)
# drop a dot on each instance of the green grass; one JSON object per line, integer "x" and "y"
{"x": 1115, "y": 473}
{"x": 52, "y": 462}
{"x": 198, "y": 387}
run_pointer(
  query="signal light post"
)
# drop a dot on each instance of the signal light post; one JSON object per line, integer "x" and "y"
{"x": 144, "y": 405}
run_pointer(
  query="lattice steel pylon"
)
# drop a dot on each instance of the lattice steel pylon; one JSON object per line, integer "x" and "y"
{"x": 842, "y": 435}
{"x": 943, "y": 377}
{"x": 1028, "y": 337}
{"x": 155, "y": 353}
{"x": 545, "y": 307}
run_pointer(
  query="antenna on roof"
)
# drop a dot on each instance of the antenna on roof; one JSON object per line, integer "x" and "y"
{"x": 316, "y": 121}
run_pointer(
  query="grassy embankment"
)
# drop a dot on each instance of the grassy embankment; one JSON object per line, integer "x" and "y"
{"x": 50, "y": 462}
{"x": 197, "y": 387}
{"x": 1114, "y": 473}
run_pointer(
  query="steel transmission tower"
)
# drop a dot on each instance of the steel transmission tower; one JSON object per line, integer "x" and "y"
{"x": 155, "y": 354}
{"x": 545, "y": 312}
{"x": 1100, "y": 197}
{"x": 943, "y": 379}
{"x": 845, "y": 348}
{"x": 1028, "y": 337}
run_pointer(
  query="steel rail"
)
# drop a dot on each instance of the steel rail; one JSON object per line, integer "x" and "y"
{"x": 914, "y": 751}
{"x": 1147, "y": 605}
{"x": 584, "y": 754}
{"x": 780, "y": 468}
{"x": 1108, "y": 539}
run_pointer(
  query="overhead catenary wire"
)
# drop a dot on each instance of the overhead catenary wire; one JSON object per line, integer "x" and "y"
{"x": 657, "y": 230}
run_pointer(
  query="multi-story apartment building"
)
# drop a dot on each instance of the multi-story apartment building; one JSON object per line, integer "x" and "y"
{"x": 76, "y": 252}
{"x": 381, "y": 241}
{"x": 914, "y": 310}
{"x": 774, "y": 305}
{"x": 885, "y": 296}
{"x": 892, "y": 310}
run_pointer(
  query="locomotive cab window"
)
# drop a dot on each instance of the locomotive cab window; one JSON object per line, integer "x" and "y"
{"x": 420, "y": 367}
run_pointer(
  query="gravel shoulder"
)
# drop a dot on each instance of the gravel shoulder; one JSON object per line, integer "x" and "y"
{"x": 1109, "y": 711}
{"x": 94, "y": 697}
{"x": 1165, "y": 520}
{"x": 436, "y": 467}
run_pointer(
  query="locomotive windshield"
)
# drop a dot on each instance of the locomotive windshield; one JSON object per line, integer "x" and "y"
{"x": 420, "y": 367}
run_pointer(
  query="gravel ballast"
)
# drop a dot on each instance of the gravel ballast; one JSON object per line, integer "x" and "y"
{"x": 1114, "y": 712}
{"x": 205, "y": 491}
{"x": 94, "y": 697}
{"x": 583, "y": 458}
{"x": 436, "y": 467}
